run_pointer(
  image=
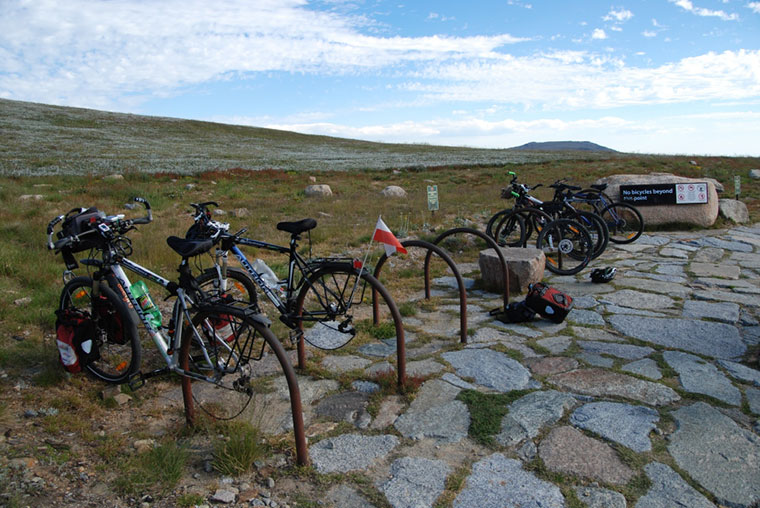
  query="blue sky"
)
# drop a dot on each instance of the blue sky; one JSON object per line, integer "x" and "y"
{"x": 648, "y": 76}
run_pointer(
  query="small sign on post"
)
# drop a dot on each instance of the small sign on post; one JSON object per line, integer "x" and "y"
{"x": 737, "y": 186}
{"x": 432, "y": 197}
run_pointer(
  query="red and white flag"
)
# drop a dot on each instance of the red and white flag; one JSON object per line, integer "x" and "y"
{"x": 390, "y": 242}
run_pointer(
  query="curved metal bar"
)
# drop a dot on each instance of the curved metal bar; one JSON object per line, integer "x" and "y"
{"x": 491, "y": 243}
{"x": 460, "y": 283}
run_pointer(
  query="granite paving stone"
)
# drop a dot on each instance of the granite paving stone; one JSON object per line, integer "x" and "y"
{"x": 595, "y": 497}
{"x": 669, "y": 490}
{"x": 530, "y": 413}
{"x": 670, "y": 252}
{"x": 547, "y": 366}
{"x": 555, "y": 345}
{"x": 489, "y": 368}
{"x": 753, "y": 399}
{"x": 596, "y": 360}
{"x": 637, "y": 300}
{"x": 623, "y": 423}
{"x": 415, "y": 482}
{"x": 654, "y": 286}
{"x": 435, "y": 413}
{"x": 747, "y": 260}
{"x": 568, "y": 451}
{"x": 748, "y": 300}
{"x": 720, "y": 270}
{"x": 646, "y": 239}
{"x": 710, "y": 241}
{"x": 344, "y": 363}
{"x": 616, "y": 309}
{"x": 671, "y": 269}
{"x": 349, "y": 407}
{"x": 344, "y": 495}
{"x": 584, "y": 302}
{"x": 458, "y": 381}
{"x": 585, "y": 317}
{"x": 725, "y": 312}
{"x": 497, "y": 481}
{"x": 516, "y": 328}
{"x": 377, "y": 349}
{"x": 596, "y": 334}
{"x": 700, "y": 376}
{"x": 721, "y": 456}
{"x": 625, "y": 351}
{"x": 718, "y": 340}
{"x": 709, "y": 255}
{"x": 741, "y": 372}
{"x": 645, "y": 367}
{"x": 603, "y": 383}
{"x": 349, "y": 452}
{"x": 423, "y": 368}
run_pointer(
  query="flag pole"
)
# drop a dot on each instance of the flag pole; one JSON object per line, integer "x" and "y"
{"x": 366, "y": 255}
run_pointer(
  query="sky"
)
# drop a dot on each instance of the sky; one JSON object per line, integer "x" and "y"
{"x": 645, "y": 76}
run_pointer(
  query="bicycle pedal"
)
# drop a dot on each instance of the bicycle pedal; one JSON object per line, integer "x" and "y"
{"x": 136, "y": 381}
{"x": 295, "y": 336}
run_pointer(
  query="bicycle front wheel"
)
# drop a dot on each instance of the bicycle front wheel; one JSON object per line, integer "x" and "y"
{"x": 117, "y": 340}
{"x": 335, "y": 305}
{"x": 567, "y": 246}
{"x": 219, "y": 351}
{"x": 624, "y": 222}
{"x": 510, "y": 230}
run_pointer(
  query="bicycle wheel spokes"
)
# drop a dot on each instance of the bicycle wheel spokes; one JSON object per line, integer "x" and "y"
{"x": 566, "y": 245}
{"x": 221, "y": 347}
{"x": 624, "y": 222}
{"x": 510, "y": 230}
{"x": 335, "y": 301}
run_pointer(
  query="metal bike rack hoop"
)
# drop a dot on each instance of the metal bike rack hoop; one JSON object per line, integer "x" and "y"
{"x": 443, "y": 255}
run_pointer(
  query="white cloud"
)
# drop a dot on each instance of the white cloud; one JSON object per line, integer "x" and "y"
{"x": 598, "y": 33}
{"x": 648, "y": 33}
{"x": 687, "y": 5}
{"x": 620, "y": 15}
{"x": 754, "y": 6}
{"x": 91, "y": 52}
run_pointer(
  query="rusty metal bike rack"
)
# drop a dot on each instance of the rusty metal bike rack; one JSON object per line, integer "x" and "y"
{"x": 491, "y": 243}
{"x": 442, "y": 254}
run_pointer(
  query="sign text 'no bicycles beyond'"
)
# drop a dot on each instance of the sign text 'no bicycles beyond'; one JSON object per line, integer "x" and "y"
{"x": 664, "y": 194}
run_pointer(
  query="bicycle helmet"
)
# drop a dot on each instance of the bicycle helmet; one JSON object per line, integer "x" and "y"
{"x": 603, "y": 274}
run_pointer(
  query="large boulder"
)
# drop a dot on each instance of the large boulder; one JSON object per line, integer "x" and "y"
{"x": 525, "y": 266}
{"x": 703, "y": 214}
{"x": 393, "y": 191}
{"x": 733, "y": 210}
{"x": 320, "y": 190}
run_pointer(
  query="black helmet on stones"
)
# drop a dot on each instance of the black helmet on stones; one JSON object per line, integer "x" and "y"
{"x": 603, "y": 274}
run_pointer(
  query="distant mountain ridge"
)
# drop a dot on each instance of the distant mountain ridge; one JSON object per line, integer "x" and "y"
{"x": 581, "y": 146}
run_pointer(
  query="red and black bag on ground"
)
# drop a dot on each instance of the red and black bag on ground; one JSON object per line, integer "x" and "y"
{"x": 551, "y": 303}
{"x": 75, "y": 337}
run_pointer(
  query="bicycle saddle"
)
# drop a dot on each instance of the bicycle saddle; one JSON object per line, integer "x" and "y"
{"x": 599, "y": 186}
{"x": 297, "y": 227}
{"x": 189, "y": 248}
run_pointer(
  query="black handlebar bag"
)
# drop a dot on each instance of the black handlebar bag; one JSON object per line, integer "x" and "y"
{"x": 551, "y": 303}
{"x": 80, "y": 222}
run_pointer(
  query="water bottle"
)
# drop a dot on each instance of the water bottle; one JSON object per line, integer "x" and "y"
{"x": 270, "y": 278}
{"x": 140, "y": 292}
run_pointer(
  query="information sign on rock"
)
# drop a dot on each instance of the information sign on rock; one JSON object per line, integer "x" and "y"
{"x": 664, "y": 194}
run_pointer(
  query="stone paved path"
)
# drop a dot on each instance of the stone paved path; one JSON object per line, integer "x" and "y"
{"x": 644, "y": 397}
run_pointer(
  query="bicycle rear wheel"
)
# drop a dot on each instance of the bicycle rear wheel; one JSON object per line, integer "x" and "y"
{"x": 510, "y": 230}
{"x": 117, "y": 339}
{"x": 567, "y": 246}
{"x": 624, "y": 222}
{"x": 597, "y": 228}
{"x": 335, "y": 306}
{"x": 239, "y": 286}
{"x": 222, "y": 347}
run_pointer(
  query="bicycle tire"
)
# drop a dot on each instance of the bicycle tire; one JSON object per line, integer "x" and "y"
{"x": 333, "y": 307}
{"x": 567, "y": 246}
{"x": 228, "y": 366}
{"x": 535, "y": 220}
{"x": 117, "y": 340}
{"x": 509, "y": 230}
{"x": 624, "y": 222}
{"x": 240, "y": 286}
{"x": 597, "y": 228}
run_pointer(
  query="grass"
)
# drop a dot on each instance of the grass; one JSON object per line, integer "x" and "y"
{"x": 157, "y": 470}
{"x": 486, "y": 412}
{"x": 238, "y": 450}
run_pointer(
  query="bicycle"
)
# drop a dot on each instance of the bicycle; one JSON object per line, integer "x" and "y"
{"x": 624, "y": 221}
{"x": 324, "y": 301}
{"x": 207, "y": 338}
{"x": 559, "y": 207}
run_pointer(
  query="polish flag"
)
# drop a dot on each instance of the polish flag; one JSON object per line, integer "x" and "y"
{"x": 390, "y": 242}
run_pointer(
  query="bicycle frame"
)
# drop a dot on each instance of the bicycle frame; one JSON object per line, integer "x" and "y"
{"x": 168, "y": 347}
